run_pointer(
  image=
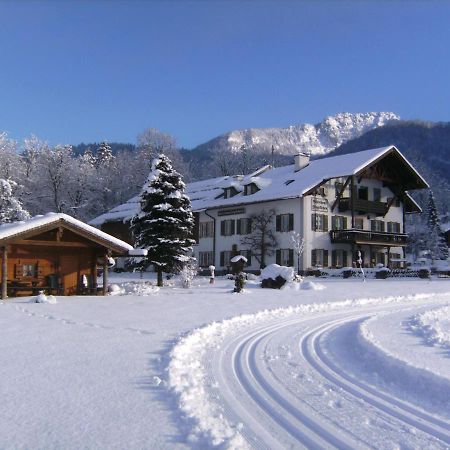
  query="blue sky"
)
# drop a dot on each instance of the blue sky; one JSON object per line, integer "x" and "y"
{"x": 83, "y": 71}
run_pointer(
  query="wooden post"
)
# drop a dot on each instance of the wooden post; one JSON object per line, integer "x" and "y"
{"x": 4, "y": 273}
{"x": 105, "y": 274}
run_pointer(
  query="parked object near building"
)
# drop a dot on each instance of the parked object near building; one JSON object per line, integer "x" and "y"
{"x": 57, "y": 254}
{"x": 339, "y": 205}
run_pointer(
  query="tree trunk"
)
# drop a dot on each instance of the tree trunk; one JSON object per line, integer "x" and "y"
{"x": 160, "y": 278}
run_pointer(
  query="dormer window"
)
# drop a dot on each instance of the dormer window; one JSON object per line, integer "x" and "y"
{"x": 229, "y": 192}
{"x": 250, "y": 189}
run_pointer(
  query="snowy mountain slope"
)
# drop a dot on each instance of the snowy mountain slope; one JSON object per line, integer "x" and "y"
{"x": 318, "y": 139}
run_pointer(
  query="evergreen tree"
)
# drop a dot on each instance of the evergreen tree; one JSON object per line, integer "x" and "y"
{"x": 165, "y": 222}
{"x": 104, "y": 155}
{"x": 11, "y": 209}
{"x": 435, "y": 238}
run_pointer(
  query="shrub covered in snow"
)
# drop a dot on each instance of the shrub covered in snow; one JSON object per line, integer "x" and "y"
{"x": 275, "y": 276}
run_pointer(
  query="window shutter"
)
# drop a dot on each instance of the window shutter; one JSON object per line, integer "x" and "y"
{"x": 345, "y": 223}
{"x": 344, "y": 258}
{"x": 325, "y": 258}
{"x": 313, "y": 257}
{"x": 382, "y": 225}
{"x": 291, "y": 222}
{"x": 333, "y": 258}
{"x": 278, "y": 257}
{"x": 249, "y": 257}
{"x": 372, "y": 225}
{"x": 222, "y": 259}
{"x": 249, "y": 225}
{"x": 278, "y": 223}
{"x": 239, "y": 226}
{"x": 232, "y": 227}
{"x": 313, "y": 222}
{"x": 222, "y": 228}
{"x": 325, "y": 223}
{"x": 291, "y": 258}
{"x": 333, "y": 223}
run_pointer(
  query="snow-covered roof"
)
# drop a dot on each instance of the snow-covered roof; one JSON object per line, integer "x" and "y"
{"x": 12, "y": 230}
{"x": 274, "y": 183}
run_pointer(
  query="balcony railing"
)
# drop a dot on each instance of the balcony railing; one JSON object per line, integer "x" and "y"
{"x": 368, "y": 237}
{"x": 362, "y": 206}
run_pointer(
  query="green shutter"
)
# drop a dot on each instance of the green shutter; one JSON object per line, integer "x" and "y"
{"x": 333, "y": 258}
{"x": 291, "y": 222}
{"x": 249, "y": 257}
{"x": 345, "y": 223}
{"x": 278, "y": 219}
{"x": 239, "y": 226}
{"x": 313, "y": 257}
{"x": 222, "y": 228}
{"x": 313, "y": 222}
{"x": 325, "y": 222}
{"x": 291, "y": 258}
{"x": 232, "y": 227}
{"x": 222, "y": 259}
{"x": 344, "y": 258}
{"x": 325, "y": 258}
{"x": 278, "y": 257}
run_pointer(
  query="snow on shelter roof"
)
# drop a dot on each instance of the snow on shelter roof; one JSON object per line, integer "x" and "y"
{"x": 11, "y": 230}
{"x": 277, "y": 183}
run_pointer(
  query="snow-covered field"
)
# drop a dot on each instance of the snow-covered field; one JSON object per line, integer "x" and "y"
{"x": 351, "y": 365}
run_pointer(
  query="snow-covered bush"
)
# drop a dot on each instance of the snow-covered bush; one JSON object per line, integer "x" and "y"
{"x": 275, "y": 276}
{"x": 187, "y": 274}
{"x": 239, "y": 282}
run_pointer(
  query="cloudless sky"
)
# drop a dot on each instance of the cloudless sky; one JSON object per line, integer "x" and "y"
{"x": 83, "y": 71}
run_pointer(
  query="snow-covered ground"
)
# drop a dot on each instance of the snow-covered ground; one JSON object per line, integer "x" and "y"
{"x": 351, "y": 365}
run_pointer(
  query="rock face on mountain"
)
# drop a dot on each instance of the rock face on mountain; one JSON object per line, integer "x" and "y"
{"x": 318, "y": 139}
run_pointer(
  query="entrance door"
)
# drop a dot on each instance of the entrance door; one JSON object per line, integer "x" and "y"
{"x": 69, "y": 265}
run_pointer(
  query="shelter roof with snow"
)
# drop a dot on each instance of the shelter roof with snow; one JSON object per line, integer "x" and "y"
{"x": 287, "y": 182}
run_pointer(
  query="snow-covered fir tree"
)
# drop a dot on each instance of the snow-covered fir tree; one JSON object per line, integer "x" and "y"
{"x": 435, "y": 241}
{"x": 104, "y": 156}
{"x": 165, "y": 221}
{"x": 11, "y": 208}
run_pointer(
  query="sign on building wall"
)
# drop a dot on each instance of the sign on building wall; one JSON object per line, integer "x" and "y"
{"x": 231, "y": 212}
{"x": 319, "y": 204}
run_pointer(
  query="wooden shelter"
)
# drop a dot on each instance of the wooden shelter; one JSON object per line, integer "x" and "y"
{"x": 57, "y": 254}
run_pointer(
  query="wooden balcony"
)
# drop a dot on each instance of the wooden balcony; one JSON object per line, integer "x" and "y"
{"x": 362, "y": 206}
{"x": 368, "y": 237}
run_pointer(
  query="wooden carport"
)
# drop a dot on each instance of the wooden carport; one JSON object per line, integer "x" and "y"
{"x": 55, "y": 253}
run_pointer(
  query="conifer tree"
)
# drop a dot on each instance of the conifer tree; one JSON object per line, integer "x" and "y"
{"x": 435, "y": 239}
{"x": 104, "y": 155}
{"x": 11, "y": 208}
{"x": 165, "y": 221}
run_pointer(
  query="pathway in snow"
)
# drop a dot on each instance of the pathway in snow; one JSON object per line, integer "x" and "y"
{"x": 300, "y": 377}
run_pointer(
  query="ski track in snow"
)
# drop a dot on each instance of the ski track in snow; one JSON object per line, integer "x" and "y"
{"x": 273, "y": 380}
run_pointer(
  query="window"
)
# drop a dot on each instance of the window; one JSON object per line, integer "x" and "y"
{"x": 250, "y": 189}
{"x": 225, "y": 258}
{"x": 377, "y": 225}
{"x": 29, "y": 270}
{"x": 321, "y": 191}
{"x": 244, "y": 226}
{"x": 248, "y": 255}
{"x": 376, "y": 195}
{"x": 393, "y": 227}
{"x": 339, "y": 223}
{"x": 359, "y": 223}
{"x": 229, "y": 192}
{"x": 285, "y": 257}
{"x": 338, "y": 188}
{"x": 319, "y": 257}
{"x": 363, "y": 193}
{"x": 227, "y": 227}
{"x": 285, "y": 222}
{"x": 319, "y": 222}
{"x": 206, "y": 229}
{"x": 339, "y": 258}
{"x": 205, "y": 259}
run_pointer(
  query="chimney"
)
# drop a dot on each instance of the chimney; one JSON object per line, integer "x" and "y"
{"x": 301, "y": 161}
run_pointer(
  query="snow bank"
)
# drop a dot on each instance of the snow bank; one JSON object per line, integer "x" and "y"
{"x": 310, "y": 285}
{"x": 42, "y": 298}
{"x": 187, "y": 373}
{"x": 143, "y": 288}
{"x": 433, "y": 326}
